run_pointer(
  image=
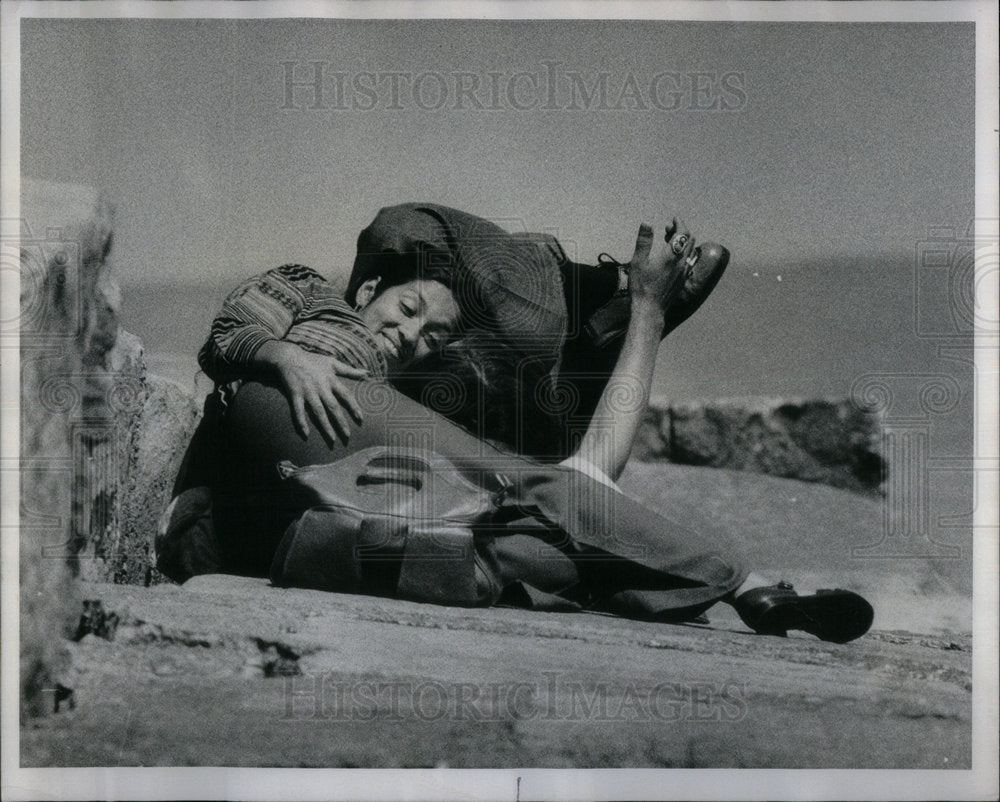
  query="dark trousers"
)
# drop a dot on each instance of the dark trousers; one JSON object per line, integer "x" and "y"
{"x": 567, "y": 535}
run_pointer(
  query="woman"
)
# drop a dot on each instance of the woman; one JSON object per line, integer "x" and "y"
{"x": 290, "y": 346}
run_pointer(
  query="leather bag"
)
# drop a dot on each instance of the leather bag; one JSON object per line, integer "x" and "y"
{"x": 400, "y": 522}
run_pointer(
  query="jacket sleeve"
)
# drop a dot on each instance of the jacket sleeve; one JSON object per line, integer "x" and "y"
{"x": 260, "y": 309}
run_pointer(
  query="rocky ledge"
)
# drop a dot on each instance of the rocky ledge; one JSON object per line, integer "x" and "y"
{"x": 829, "y": 441}
{"x": 100, "y": 438}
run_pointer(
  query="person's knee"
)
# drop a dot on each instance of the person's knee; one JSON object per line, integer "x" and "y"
{"x": 260, "y": 432}
{"x": 257, "y": 404}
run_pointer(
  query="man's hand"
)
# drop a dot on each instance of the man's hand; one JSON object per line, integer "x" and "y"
{"x": 312, "y": 383}
{"x": 657, "y": 270}
{"x": 656, "y": 275}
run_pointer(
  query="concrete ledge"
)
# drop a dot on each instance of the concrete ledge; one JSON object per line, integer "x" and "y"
{"x": 227, "y": 671}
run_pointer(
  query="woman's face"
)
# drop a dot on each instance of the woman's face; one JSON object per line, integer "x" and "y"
{"x": 409, "y": 320}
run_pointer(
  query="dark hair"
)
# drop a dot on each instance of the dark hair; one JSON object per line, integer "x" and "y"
{"x": 394, "y": 269}
{"x": 483, "y": 384}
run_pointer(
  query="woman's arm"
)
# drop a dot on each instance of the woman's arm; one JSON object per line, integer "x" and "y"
{"x": 246, "y": 343}
{"x": 656, "y": 276}
{"x": 259, "y": 310}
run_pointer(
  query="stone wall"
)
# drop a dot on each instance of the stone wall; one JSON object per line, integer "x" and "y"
{"x": 100, "y": 440}
{"x": 166, "y": 423}
{"x": 828, "y": 441}
{"x": 68, "y": 329}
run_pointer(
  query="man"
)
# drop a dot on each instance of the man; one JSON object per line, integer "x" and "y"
{"x": 564, "y": 321}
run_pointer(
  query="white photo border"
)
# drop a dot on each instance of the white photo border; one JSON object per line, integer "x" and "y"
{"x": 180, "y": 783}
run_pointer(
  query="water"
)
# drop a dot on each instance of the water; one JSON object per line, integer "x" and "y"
{"x": 814, "y": 333}
{"x": 172, "y": 320}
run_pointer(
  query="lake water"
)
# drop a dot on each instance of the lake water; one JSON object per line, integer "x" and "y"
{"x": 808, "y": 331}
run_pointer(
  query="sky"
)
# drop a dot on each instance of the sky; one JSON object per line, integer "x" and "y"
{"x": 821, "y": 154}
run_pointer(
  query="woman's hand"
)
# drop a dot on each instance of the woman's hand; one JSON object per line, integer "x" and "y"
{"x": 658, "y": 268}
{"x": 313, "y": 386}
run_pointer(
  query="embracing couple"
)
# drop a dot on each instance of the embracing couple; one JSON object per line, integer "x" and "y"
{"x": 490, "y": 361}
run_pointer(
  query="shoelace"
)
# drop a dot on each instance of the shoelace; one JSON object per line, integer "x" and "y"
{"x": 608, "y": 261}
{"x": 605, "y": 259}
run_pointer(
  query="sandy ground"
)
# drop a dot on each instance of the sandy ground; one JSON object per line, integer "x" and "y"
{"x": 230, "y": 671}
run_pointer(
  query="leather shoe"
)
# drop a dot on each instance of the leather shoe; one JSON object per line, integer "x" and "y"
{"x": 837, "y": 615}
{"x": 703, "y": 275}
{"x": 609, "y": 322}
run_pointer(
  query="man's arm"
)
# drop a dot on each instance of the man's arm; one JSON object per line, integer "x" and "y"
{"x": 656, "y": 276}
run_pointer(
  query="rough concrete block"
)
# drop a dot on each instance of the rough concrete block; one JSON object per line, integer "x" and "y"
{"x": 828, "y": 441}
{"x": 68, "y": 324}
{"x": 159, "y": 439}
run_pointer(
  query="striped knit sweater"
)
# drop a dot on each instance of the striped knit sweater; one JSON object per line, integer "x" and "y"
{"x": 291, "y": 303}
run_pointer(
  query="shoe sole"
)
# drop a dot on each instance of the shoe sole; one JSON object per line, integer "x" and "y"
{"x": 837, "y": 616}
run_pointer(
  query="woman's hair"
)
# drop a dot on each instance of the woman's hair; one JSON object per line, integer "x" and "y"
{"x": 478, "y": 380}
{"x": 394, "y": 269}
{"x": 487, "y": 387}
